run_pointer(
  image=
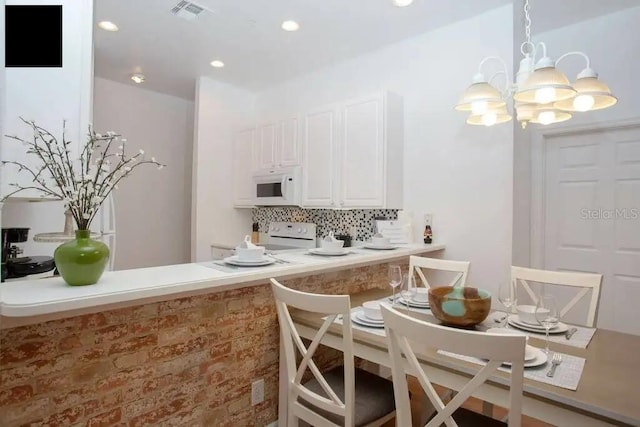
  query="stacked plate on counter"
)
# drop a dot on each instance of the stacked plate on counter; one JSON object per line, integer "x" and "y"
{"x": 239, "y": 262}
{"x": 329, "y": 252}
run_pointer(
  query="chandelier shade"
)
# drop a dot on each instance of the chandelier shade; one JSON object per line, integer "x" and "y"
{"x": 540, "y": 92}
{"x": 479, "y": 98}
{"x": 548, "y": 114}
{"x": 545, "y": 85}
{"x": 591, "y": 94}
{"x": 491, "y": 117}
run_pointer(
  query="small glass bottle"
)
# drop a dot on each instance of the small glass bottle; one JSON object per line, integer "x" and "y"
{"x": 428, "y": 234}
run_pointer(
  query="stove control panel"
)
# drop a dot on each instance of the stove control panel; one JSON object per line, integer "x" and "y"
{"x": 293, "y": 230}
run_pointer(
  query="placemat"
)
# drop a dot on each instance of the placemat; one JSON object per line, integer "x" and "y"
{"x": 567, "y": 373}
{"x": 581, "y": 338}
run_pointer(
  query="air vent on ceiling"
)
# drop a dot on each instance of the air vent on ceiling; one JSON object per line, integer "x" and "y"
{"x": 187, "y": 10}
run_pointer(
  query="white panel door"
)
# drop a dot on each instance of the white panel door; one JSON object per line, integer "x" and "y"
{"x": 362, "y": 183}
{"x": 592, "y": 216}
{"x": 243, "y": 168}
{"x": 267, "y": 146}
{"x": 288, "y": 142}
{"x": 319, "y": 158}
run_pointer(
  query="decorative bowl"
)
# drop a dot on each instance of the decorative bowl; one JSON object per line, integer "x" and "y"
{"x": 332, "y": 245}
{"x": 250, "y": 254}
{"x": 459, "y": 306}
{"x": 527, "y": 314}
{"x": 372, "y": 310}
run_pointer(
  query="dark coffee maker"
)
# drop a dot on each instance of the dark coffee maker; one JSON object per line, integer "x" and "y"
{"x": 14, "y": 266}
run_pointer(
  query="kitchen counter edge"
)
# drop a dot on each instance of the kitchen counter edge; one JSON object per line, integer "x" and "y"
{"x": 51, "y": 297}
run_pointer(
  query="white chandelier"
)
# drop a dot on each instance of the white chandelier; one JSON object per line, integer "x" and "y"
{"x": 541, "y": 93}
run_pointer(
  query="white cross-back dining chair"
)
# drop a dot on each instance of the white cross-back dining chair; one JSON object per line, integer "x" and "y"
{"x": 416, "y": 264}
{"x": 343, "y": 396}
{"x": 584, "y": 281}
{"x": 404, "y": 332}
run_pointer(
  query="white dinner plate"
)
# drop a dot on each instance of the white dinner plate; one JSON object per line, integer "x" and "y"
{"x": 371, "y": 324}
{"x": 539, "y": 358}
{"x": 529, "y": 351}
{"x": 384, "y": 247}
{"x": 361, "y": 316}
{"x": 328, "y": 252}
{"x": 560, "y": 328}
{"x": 234, "y": 260}
{"x": 414, "y": 304}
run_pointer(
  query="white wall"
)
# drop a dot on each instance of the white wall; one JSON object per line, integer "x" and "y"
{"x": 461, "y": 174}
{"x": 221, "y": 109}
{"x": 152, "y": 207}
{"x": 612, "y": 42}
{"x": 48, "y": 96}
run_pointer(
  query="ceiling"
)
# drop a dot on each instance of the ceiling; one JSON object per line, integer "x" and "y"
{"x": 172, "y": 52}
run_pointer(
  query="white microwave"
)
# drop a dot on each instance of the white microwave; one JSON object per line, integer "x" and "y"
{"x": 278, "y": 187}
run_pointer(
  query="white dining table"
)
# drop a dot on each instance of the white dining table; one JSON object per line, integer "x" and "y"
{"x": 608, "y": 392}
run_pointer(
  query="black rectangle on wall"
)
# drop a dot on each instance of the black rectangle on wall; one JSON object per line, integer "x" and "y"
{"x": 33, "y": 36}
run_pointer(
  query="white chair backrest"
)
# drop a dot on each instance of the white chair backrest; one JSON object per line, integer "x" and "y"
{"x": 402, "y": 329}
{"x": 416, "y": 264}
{"x": 586, "y": 281}
{"x": 333, "y": 306}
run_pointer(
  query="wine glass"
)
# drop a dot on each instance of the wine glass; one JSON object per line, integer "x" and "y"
{"x": 395, "y": 279}
{"x": 408, "y": 289}
{"x": 507, "y": 297}
{"x": 547, "y": 314}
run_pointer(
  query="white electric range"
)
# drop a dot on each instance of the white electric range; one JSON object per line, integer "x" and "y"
{"x": 287, "y": 236}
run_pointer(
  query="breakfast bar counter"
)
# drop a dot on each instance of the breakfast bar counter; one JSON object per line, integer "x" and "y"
{"x": 32, "y": 298}
{"x": 172, "y": 345}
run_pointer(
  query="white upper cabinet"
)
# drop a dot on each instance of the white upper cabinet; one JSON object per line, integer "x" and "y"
{"x": 320, "y": 132}
{"x": 351, "y": 153}
{"x": 278, "y": 145}
{"x": 267, "y": 146}
{"x": 288, "y": 142}
{"x": 371, "y": 152}
{"x": 50, "y": 95}
{"x": 244, "y": 147}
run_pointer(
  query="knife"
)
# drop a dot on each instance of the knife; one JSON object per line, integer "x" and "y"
{"x": 570, "y": 333}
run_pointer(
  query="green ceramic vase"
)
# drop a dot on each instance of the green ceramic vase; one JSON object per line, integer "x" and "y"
{"x": 81, "y": 261}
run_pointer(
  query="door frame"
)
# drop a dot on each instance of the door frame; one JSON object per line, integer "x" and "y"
{"x": 539, "y": 140}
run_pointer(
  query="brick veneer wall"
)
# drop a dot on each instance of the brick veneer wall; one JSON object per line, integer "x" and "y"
{"x": 183, "y": 362}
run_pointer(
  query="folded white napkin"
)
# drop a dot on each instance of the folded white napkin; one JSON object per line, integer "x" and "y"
{"x": 246, "y": 243}
{"x": 330, "y": 238}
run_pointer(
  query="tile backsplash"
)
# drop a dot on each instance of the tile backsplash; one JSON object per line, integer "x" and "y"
{"x": 338, "y": 221}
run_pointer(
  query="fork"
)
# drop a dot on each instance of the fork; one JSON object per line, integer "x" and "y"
{"x": 557, "y": 359}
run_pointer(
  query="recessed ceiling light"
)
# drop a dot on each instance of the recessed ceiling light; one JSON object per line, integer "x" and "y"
{"x": 402, "y": 3}
{"x": 217, "y": 64}
{"x": 290, "y": 26}
{"x": 108, "y": 26}
{"x": 138, "y": 78}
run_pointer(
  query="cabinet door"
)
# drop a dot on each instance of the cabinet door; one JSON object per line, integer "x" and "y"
{"x": 243, "y": 168}
{"x": 267, "y": 146}
{"x": 363, "y": 151}
{"x": 289, "y": 147}
{"x": 319, "y": 158}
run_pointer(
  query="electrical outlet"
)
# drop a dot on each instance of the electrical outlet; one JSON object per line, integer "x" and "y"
{"x": 428, "y": 219}
{"x": 257, "y": 392}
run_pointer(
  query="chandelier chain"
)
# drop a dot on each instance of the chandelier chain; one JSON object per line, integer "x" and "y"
{"x": 527, "y": 18}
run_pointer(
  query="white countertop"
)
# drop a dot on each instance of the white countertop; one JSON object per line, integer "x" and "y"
{"x": 46, "y": 296}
